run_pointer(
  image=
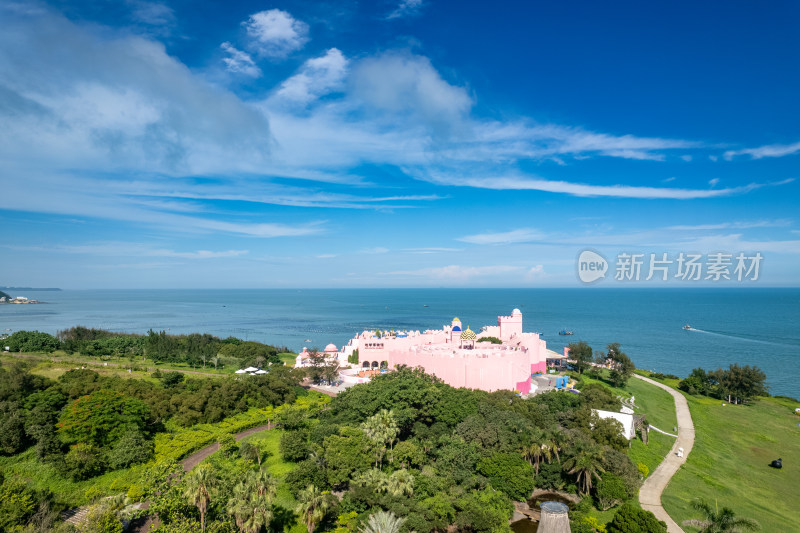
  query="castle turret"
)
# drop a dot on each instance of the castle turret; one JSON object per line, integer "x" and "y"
{"x": 510, "y": 326}
{"x": 455, "y": 330}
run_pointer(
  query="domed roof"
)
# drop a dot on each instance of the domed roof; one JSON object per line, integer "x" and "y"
{"x": 468, "y": 335}
{"x": 456, "y": 319}
{"x": 331, "y": 348}
{"x": 516, "y": 312}
{"x": 456, "y": 328}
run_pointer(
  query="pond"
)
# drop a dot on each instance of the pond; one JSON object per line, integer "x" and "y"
{"x": 527, "y": 525}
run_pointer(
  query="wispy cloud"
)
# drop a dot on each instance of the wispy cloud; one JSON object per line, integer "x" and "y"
{"x": 770, "y": 150}
{"x": 152, "y": 13}
{"x": 734, "y": 225}
{"x": 240, "y": 62}
{"x": 458, "y": 273}
{"x": 432, "y": 250}
{"x": 275, "y": 33}
{"x": 134, "y": 249}
{"x": 508, "y": 237}
{"x": 581, "y": 189}
{"x": 406, "y": 8}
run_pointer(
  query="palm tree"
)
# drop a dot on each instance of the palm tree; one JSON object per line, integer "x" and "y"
{"x": 239, "y": 505}
{"x": 263, "y": 483}
{"x": 200, "y": 483}
{"x": 382, "y": 429}
{"x": 538, "y": 448}
{"x": 313, "y": 506}
{"x": 383, "y": 522}
{"x": 557, "y": 439}
{"x": 251, "y": 504}
{"x": 400, "y": 483}
{"x": 373, "y": 478}
{"x": 716, "y": 521}
{"x": 585, "y": 463}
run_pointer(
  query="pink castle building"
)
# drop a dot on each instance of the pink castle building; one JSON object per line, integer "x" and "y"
{"x": 454, "y": 354}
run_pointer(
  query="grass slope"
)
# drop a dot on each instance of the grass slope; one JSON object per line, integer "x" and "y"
{"x": 659, "y": 407}
{"x": 729, "y": 463}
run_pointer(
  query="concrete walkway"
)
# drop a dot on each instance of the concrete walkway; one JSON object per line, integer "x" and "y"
{"x": 656, "y": 482}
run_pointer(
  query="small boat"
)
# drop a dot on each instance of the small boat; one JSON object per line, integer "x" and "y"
{"x": 425, "y": 305}
{"x": 565, "y": 332}
{"x": 307, "y": 340}
{"x": 687, "y": 326}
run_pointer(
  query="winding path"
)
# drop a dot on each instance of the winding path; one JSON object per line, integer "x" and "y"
{"x": 656, "y": 482}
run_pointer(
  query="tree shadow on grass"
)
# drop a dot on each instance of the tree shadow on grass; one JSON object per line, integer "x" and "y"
{"x": 282, "y": 519}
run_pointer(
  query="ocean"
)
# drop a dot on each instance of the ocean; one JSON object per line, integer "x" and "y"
{"x": 754, "y": 326}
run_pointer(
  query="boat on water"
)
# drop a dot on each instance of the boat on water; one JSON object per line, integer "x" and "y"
{"x": 687, "y": 326}
{"x": 565, "y": 332}
{"x": 307, "y": 340}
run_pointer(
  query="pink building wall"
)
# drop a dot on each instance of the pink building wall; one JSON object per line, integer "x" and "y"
{"x": 483, "y": 366}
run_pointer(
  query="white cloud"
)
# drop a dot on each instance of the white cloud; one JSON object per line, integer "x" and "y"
{"x": 275, "y": 33}
{"x": 686, "y": 158}
{"x": 536, "y": 273}
{"x": 408, "y": 85}
{"x": 713, "y": 182}
{"x": 238, "y": 61}
{"x": 406, "y": 8}
{"x": 374, "y": 250}
{"x": 515, "y": 182}
{"x": 317, "y": 77}
{"x": 152, "y": 13}
{"x": 771, "y": 150}
{"x": 508, "y": 237}
{"x": 116, "y": 103}
{"x": 133, "y": 249}
{"x": 432, "y": 250}
{"x": 199, "y": 254}
{"x": 458, "y": 272}
{"x": 736, "y": 225}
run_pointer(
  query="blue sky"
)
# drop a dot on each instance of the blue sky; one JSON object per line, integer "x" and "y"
{"x": 402, "y": 143}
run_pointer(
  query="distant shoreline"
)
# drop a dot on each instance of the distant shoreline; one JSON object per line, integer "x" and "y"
{"x": 29, "y": 289}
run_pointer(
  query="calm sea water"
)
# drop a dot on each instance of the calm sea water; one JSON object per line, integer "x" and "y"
{"x": 747, "y": 326}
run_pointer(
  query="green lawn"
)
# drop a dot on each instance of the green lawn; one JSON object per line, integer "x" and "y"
{"x": 55, "y": 364}
{"x": 729, "y": 463}
{"x": 288, "y": 358}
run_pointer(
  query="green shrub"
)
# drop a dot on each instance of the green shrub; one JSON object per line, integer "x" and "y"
{"x": 83, "y": 461}
{"x": 509, "y": 473}
{"x": 611, "y": 491}
{"x": 294, "y": 445}
{"x": 131, "y": 449}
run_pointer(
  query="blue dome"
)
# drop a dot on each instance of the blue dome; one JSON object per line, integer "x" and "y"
{"x": 456, "y": 328}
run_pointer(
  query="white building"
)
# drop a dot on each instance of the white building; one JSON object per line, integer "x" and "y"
{"x": 628, "y": 429}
